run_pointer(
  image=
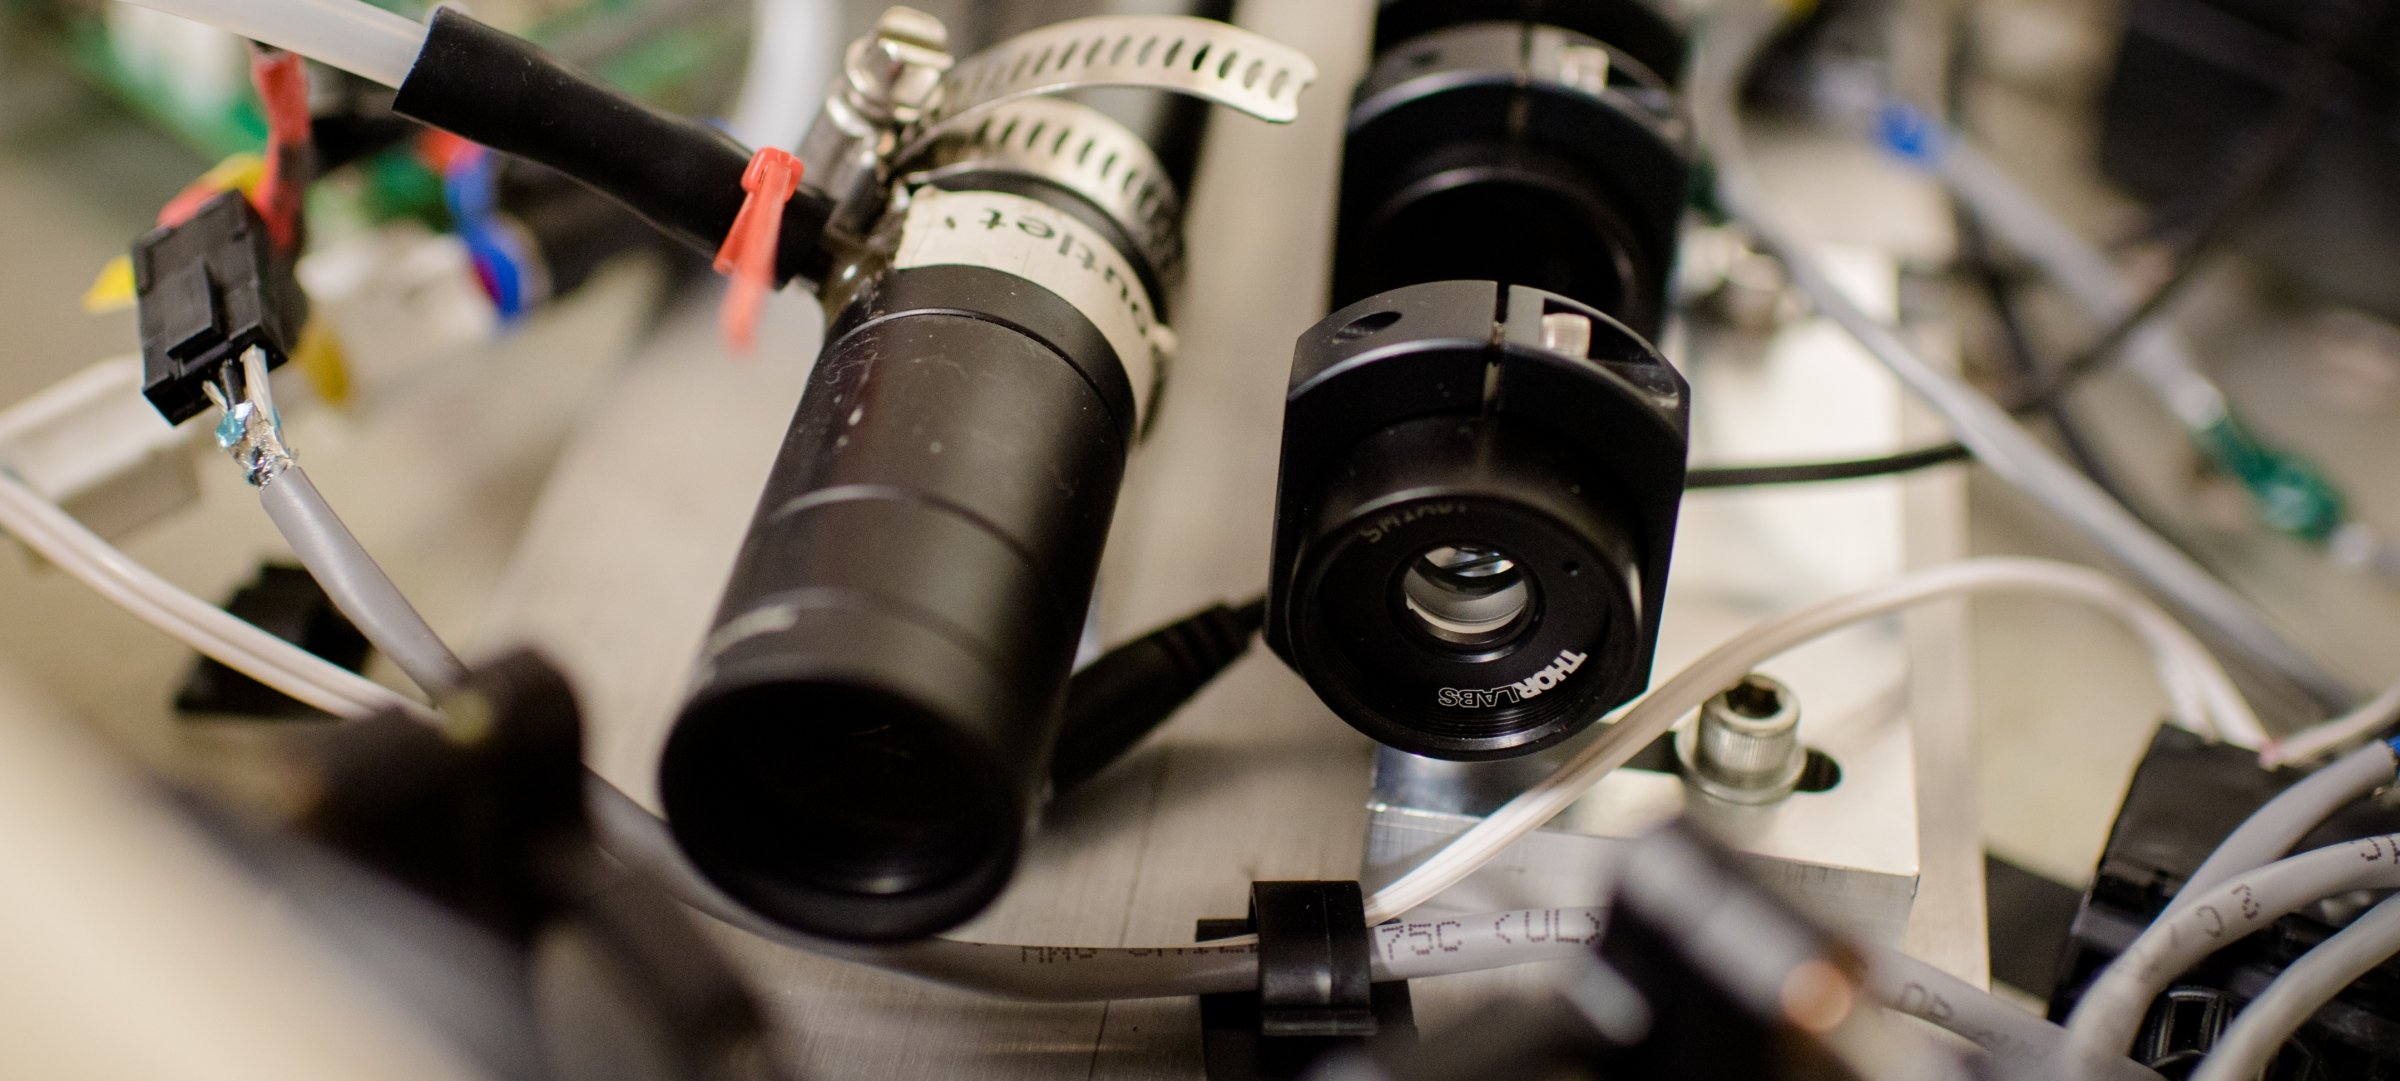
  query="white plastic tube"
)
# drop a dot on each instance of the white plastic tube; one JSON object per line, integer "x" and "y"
{"x": 2201, "y": 695}
{"x": 2104, "y": 1022}
{"x": 354, "y": 36}
{"x": 793, "y": 46}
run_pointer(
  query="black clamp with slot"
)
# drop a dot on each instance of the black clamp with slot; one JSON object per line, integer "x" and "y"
{"x": 1315, "y": 985}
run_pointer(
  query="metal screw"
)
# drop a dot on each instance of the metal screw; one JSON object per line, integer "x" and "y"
{"x": 894, "y": 73}
{"x": 1746, "y": 748}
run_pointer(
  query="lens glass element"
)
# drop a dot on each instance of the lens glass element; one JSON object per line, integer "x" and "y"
{"x": 1466, "y": 594}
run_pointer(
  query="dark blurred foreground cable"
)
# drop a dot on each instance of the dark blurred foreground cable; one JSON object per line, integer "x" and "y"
{"x": 1117, "y": 700}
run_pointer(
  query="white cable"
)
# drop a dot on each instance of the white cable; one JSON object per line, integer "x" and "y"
{"x": 2303, "y": 988}
{"x": 793, "y": 44}
{"x": 2155, "y": 352}
{"x": 59, "y": 538}
{"x": 1998, "y": 441}
{"x": 2271, "y": 831}
{"x": 2104, "y": 1022}
{"x": 1433, "y": 947}
{"x": 2371, "y": 717}
{"x": 352, "y": 35}
{"x": 2200, "y": 695}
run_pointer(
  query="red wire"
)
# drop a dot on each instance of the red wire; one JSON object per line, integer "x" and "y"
{"x": 282, "y": 81}
{"x": 749, "y": 250}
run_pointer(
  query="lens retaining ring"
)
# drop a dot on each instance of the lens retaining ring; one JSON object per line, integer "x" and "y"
{"x": 1407, "y": 690}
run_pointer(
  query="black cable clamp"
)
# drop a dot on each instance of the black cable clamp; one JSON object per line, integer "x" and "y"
{"x": 1315, "y": 985}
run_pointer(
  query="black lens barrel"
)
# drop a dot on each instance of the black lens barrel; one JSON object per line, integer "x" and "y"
{"x": 874, "y": 712}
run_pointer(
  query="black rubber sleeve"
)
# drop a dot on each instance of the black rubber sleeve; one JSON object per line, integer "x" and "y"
{"x": 681, "y": 175}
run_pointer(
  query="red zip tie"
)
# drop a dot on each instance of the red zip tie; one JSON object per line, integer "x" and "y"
{"x": 282, "y": 81}
{"x": 749, "y": 250}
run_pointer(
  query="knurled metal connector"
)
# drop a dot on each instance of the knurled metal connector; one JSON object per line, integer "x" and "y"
{"x": 1745, "y": 748}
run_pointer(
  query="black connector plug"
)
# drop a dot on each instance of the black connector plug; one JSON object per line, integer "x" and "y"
{"x": 209, "y": 290}
{"x": 1125, "y": 695}
{"x": 681, "y": 175}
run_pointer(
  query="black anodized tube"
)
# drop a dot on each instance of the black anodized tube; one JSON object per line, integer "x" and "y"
{"x": 875, "y": 711}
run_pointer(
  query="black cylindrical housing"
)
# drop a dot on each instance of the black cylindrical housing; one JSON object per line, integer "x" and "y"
{"x": 1418, "y": 421}
{"x": 1483, "y": 456}
{"x": 874, "y": 713}
{"x": 1515, "y": 152}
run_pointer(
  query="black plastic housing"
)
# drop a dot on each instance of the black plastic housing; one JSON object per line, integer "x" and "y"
{"x": 2186, "y": 796}
{"x": 875, "y": 712}
{"x": 1420, "y": 418}
{"x": 209, "y": 290}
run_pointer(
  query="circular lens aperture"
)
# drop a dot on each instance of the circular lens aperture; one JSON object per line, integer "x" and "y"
{"x": 1466, "y": 594}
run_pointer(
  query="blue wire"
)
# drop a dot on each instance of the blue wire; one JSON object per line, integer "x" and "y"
{"x": 468, "y": 189}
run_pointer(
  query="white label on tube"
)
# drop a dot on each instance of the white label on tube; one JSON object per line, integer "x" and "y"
{"x": 1038, "y": 243}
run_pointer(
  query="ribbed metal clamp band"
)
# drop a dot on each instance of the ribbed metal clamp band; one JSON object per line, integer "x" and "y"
{"x": 1082, "y": 150}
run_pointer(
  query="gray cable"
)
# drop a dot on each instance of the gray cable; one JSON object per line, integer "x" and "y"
{"x": 2274, "y": 829}
{"x": 1437, "y": 946}
{"x": 2104, "y": 1023}
{"x": 2306, "y": 986}
{"x": 1734, "y": 39}
{"x": 357, "y": 586}
{"x": 2020, "y": 1046}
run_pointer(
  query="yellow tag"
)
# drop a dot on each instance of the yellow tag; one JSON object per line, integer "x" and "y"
{"x": 319, "y": 356}
{"x": 245, "y": 171}
{"x": 112, "y": 291}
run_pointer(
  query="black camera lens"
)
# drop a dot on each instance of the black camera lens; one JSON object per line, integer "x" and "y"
{"x": 1466, "y": 594}
{"x": 1473, "y": 519}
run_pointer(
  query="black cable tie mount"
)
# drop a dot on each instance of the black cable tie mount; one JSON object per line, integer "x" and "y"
{"x": 1315, "y": 985}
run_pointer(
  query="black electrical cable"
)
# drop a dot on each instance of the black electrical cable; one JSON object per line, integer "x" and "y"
{"x": 1116, "y": 701}
{"x": 2272, "y": 148}
{"x": 681, "y": 175}
{"x": 1745, "y": 476}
